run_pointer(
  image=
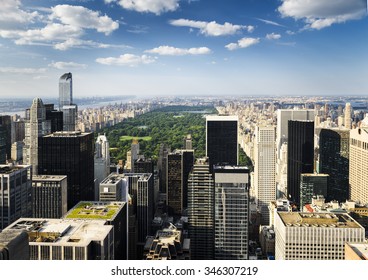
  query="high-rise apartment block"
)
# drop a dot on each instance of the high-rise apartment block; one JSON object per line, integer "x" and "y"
{"x": 347, "y": 121}
{"x": 15, "y": 193}
{"x": 201, "y": 206}
{"x": 334, "y": 161}
{"x": 179, "y": 165}
{"x": 5, "y": 126}
{"x": 231, "y": 212}
{"x": 222, "y": 140}
{"x": 320, "y": 236}
{"x": 264, "y": 169}
{"x": 358, "y": 165}
{"x": 71, "y": 154}
{"x": 49, "y": 195}
{"x": 300, "y": 155}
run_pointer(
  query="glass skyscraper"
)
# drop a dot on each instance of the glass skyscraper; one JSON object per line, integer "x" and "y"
{"x": 66, "y": 105}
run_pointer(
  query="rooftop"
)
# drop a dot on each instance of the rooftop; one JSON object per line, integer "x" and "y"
{"x": 48, "y": 178}
{"x": 96, "y": 210}
{"x": 8, "y": 169}
{"x": 361, "y": 249}
{"x": 323, "y": 220}
{"x": 62, "y": 232}
{"x": 67, "y": 134}
{"x": 221, "y": 118}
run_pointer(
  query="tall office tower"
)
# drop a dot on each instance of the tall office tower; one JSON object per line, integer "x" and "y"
{"x": 143, "y": 165}
{"x": 60, "y": 239}
{"x": 14, "y": 245}
{"x": 5, "y": 124}
{"x": 264, "y": 169}
{"x": 167, "y": 244}
{"x": 162, "y": 166}
{"x": 300, "y": 155}
{"x": 179, "y": 165}
{"x": 128, "y": 165}
{"x": 114, "y": 188}
{"x": 222, "y": 140}
{"x": 71, "y": 154}
{"x": 145, "y": 206}
{"x": 201, "y": 221}
{"x": 55, "y": 117}
{"x": 2, "y": 145}
{"x": 49, "y": 195}
{"x": 312, "y": 185}
{"x": 188, "y": 142}
{"x": 70, "y": 110}
{"x": 17, "y": 151}
{"x": 358, "y": 165}
{"x": 134, "y": 155}
{"x": 15, "y": 193}
{"x": 18, "y": 131}
{"x": 102, "y": 162}
{"x": 339, "y": 110}
{"x": 320, "y": 236}
{"x": 285, "y": 115}
{"x": 231, "y": 212}
{"x": 36, "y": 126}
{"x": 113, "y": 213}
{"x": 334, "y": 161}
{"x": 347, "y": 123}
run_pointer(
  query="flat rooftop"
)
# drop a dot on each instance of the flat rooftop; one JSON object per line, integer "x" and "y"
{"x": 314, "y": 175}
{"x": 68, "y": 134}
{"x": 95, "y": 210}
{"x": 8, "y": 169}
{"x": 62, "y": 232}
{"x": 48, "y": 178}
{"x": 221, "y": 118}
{"x": 361, "y": 249}
{"x": 323, "y": 220}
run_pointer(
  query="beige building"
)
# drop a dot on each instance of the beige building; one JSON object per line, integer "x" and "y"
{"x": 358, "y": 165}
{"x": 356, "y": 251}
{"x": 320, "y": 236}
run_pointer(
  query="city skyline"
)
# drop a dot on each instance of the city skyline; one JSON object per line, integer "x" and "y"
{"x": 179, "y": 47}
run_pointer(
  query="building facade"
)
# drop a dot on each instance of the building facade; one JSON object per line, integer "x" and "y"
{"x": 201, "y": 216}
{"x": 49, "y": 196}
{"x": 70, "y": 110}
{"x": 15, "y": 193}
{"x": 231, "y": 212}
{"x": 312, "y": 185}
{"x": 71, "y": 154}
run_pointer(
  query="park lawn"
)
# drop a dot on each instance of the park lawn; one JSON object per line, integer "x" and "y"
{"x": 130, "y": 138}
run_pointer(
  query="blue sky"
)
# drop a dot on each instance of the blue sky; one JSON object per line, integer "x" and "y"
{"x": 184, "y": 47}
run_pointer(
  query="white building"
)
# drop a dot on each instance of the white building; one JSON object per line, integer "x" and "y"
{"x": 358, "y": 165}
{"x": 264, "y": 169}
{"x": 320, "y": 236}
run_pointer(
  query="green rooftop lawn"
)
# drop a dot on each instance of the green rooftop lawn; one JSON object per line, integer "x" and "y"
{"x": 81, "y": 212}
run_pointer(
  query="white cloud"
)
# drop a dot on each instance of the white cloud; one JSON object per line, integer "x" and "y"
{"x": 126, "y": 60}
{"x": 212, "y": 28}
{"x": 15, "y": 70}
{"x": 319, "y": 14}
{"x": 273, "y": 36}
{"x": 289, "y": 32}
{"x": 242, "y": 43}
{"x": 67, "y": 65}
{"x": 149, "y": 6}
{"x": 271, "y": 22}
{"x": 82, "y": 17}
{"x": 11, "y": 14}
{"x": 84, "y": 44}
{"x": 168, "y": 50}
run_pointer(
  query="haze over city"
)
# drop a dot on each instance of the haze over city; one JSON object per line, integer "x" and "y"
{"x": 173, "y": 47}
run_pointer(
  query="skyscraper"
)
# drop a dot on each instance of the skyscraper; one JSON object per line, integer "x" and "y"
{"x": 66, "y": 105}
{"x": 188, "y": 142}
{"x": 347, "y": 122}
{"x": 201, "y": 220}
{"x": 222, "y": 140}
{"x": 179, "y": 164}
{"x": 231, "y": 212}
{"x": 71, "y": 154}
{"x": 15, "y": 193}
{"x": 102, "y": 162}
{"x": 264, "y": 169}
{"x": 2, "y": 145}
{"x": 162, "y": 166}
{"x": 358, "y": 165}
{"x": 5, "y": 125}
{"x": 300, "y": 155}
{"x": 334, "y": 161}
{"x": 49, "y": 195}
{"x": 36, "y": 126}
{"x": 312, "y": 185}
{"x": 134, "y": 153}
